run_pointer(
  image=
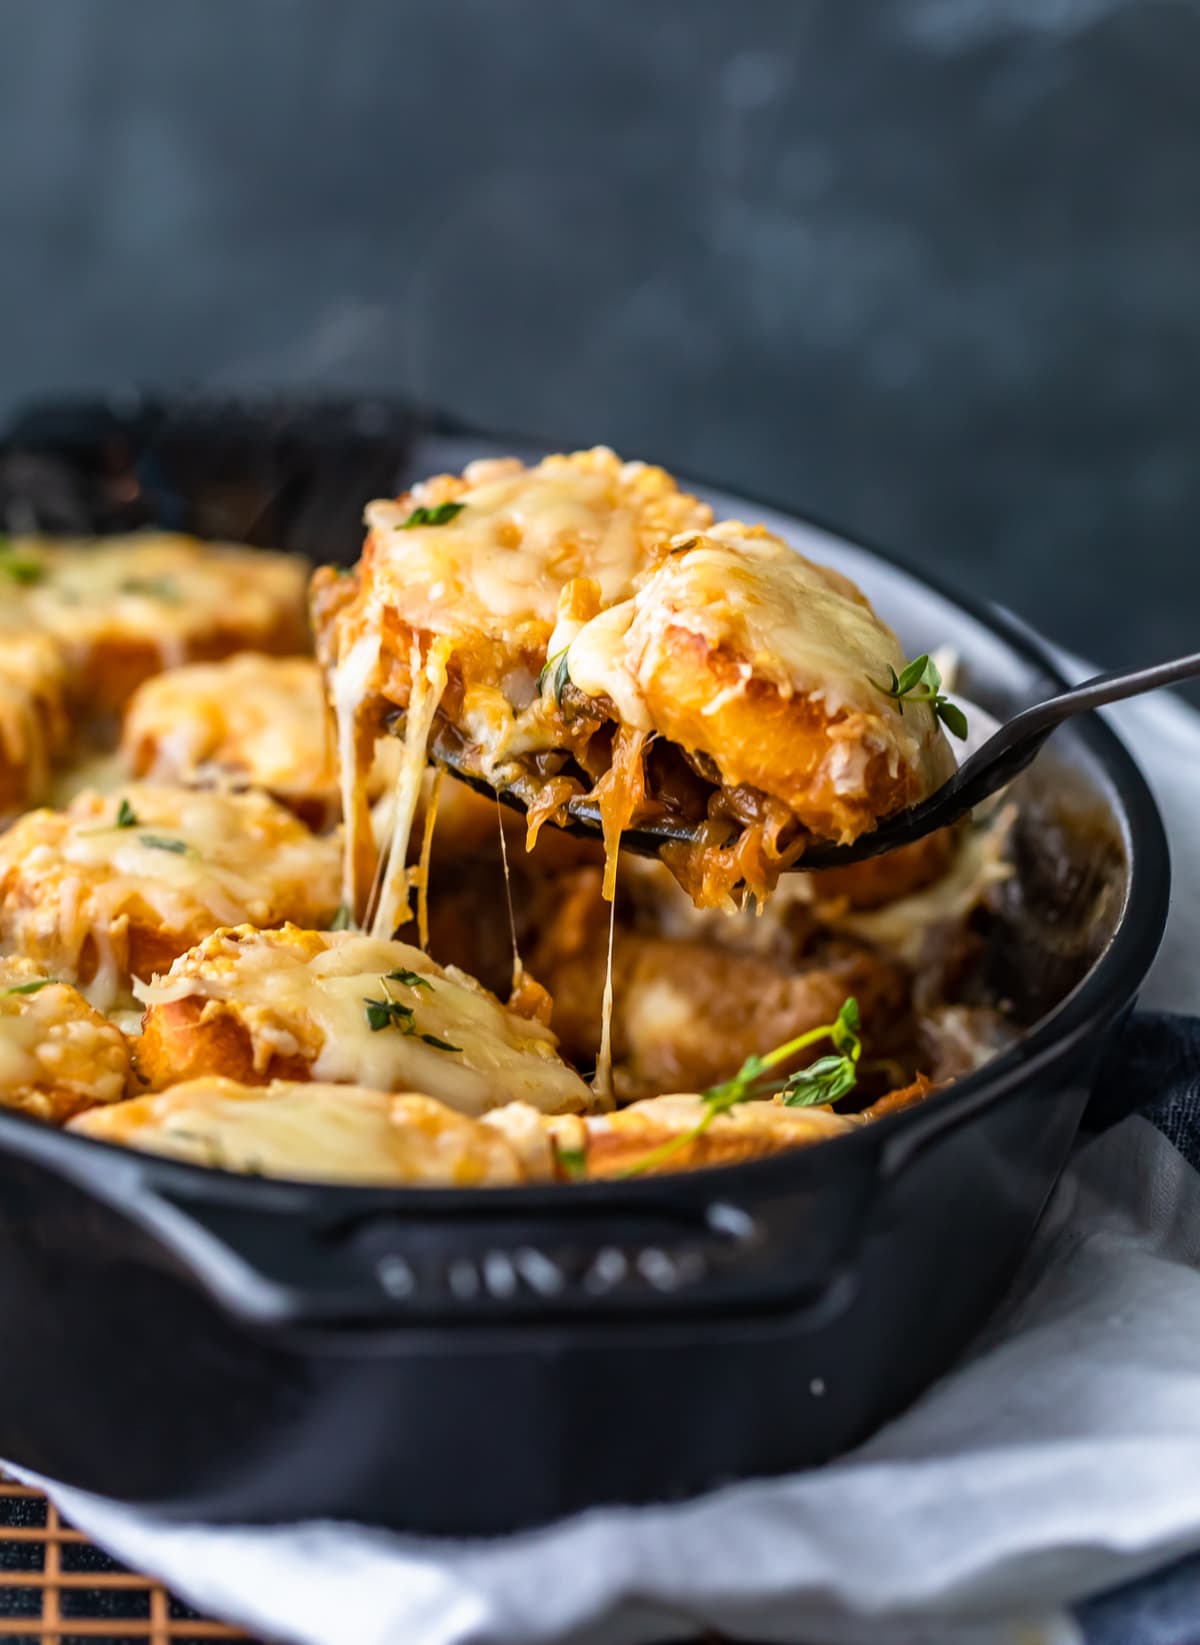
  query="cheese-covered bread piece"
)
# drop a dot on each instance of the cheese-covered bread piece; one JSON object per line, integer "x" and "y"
{"x": 58, "y": 1056}
{"x": 452, "y": 607}
{"x": 34, "y": 728}
{"x": 328, "y": 1133}
{"x": 761, "y": 665}
{"x": 679, "y": 1132}
{"x": 125, "y": 607}
{"x": 619, "y": 1144}
{"x": 117, "y": 885}
{"x": 646, "y": 663}
{"x": 251, "y": 721}
{"x": 338, "y": 1006}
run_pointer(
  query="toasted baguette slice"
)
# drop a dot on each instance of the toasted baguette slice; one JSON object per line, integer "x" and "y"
{"x": 326, "y": 1133}
{"x": 338, "y": 1006}
{"x": 58, "y": 1056}
{"x": 581, "y": 631}
{"x": 117, "y": 885}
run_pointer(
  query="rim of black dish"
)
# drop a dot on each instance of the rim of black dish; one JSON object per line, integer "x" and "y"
{"x": 1112, "y": 980}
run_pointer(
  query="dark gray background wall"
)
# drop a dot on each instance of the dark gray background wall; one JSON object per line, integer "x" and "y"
{"x": 929, "y": 268}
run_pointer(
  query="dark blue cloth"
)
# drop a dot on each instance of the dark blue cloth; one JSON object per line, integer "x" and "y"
{"x": 1155, "y": 1070}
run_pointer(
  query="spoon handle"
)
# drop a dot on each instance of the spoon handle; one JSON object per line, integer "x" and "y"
{"x": 1112, "y": 687}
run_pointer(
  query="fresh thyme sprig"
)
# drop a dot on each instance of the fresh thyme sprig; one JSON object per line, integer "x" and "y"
{"x": 127, "y": 817}
{"x": 34, "y": 987}
{"x": 921, "y": 682}
{"x": 393, "y": 1013}
{"x": 440, "y": 514}
{"x": 824, "y": 1081}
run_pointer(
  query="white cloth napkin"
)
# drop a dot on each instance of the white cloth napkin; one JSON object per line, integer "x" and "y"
{"x": 1060, "y": 1458}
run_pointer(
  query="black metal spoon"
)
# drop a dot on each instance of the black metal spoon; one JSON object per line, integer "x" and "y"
{"x": 989, "y": 766}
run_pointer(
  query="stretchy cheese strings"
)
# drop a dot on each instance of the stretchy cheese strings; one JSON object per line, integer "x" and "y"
{"x": 435, "y": 791}
{"x": 518, "y": 965}
{"x": 428, "y": 683}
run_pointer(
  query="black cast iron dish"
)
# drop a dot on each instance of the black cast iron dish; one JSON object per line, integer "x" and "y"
{"x": 473, "y": 1361}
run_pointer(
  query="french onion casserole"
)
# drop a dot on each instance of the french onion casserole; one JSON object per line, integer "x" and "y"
{"x": 249, "y": 919}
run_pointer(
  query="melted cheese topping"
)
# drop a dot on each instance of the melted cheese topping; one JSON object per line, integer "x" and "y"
{"x": 488, "y": 582}
{"x": 57, "y": 1055}
{"x": 76, "y": 888}
{"x": 329, "y": 1133}
{"x": 254, "y": 720}
{"x": 498, "y": 567}
{"x": 307, "y": 994}
{"x": 167, "y": 591}
{"x": 429, "y": 681}
{"x": 801, "y": 627}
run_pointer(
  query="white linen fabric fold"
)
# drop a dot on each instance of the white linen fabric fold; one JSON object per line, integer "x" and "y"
{"x": 1061, "y": 1457}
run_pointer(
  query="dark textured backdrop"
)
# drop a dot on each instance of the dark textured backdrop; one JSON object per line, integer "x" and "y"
{"x": 930, "y": 268}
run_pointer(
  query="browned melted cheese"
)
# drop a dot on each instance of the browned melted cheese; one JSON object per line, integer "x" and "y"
{"x": 57, "y": 1055}
{"x": 306, "y": 993}
{"x": 329, "y": 1133}
{"x": 80, "y": 893}
{"x": 162, "y": 590}
{"x": 472, "y": 603}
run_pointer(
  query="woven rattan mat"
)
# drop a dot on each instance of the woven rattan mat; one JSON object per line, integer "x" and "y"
{"x": 57, "y": 1588}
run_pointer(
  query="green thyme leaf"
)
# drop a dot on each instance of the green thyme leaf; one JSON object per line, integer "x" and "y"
{"x": 410, "y": 979}
{"x": 20, "y": 568}
{"x": 914, "y": 674}
{"x": 442, "y": 514}
{"x": 34, "y": 987}
{"x": 126, "y": 816}
{"x": 441, "y": 1045}
{"x": 920, "y": 682}
{"x": 389, "y": 1013}
{"x": 162, "y": 842}
{"x": 573, "y": 1162}
{"x": 153, "y": 588}
{"x": 548, "y": 668}
{"x": 823, "y": 1081}
{"x": 952, "y": 717}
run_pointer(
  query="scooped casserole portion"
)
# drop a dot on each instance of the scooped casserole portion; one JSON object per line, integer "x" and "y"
{"x": 266, "y": 928}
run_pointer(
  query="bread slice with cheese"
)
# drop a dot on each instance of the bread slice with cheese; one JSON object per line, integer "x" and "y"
{"x": 448, "y": 617}
{"x": 116, "y": 885}
{"x": 329, "y": 1133}
{"x": 58, "y": 1055}
{"x": 337, "y": 1006}
{"x": 582, "y": 635}
{"x": 123, "y": 608}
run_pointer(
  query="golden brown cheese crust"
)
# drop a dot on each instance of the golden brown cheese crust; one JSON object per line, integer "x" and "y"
{"x": 57, "y": 1055}
{"x": 250, "y": 721}
{"x": 329, "y": 1133}
{"x": 124, "y": 608}
{"x": 295, "y": 1004}
{"x": 99, "y": 904}
{"x": 528, "y": 623}
{"x": 345, "y": 1133}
